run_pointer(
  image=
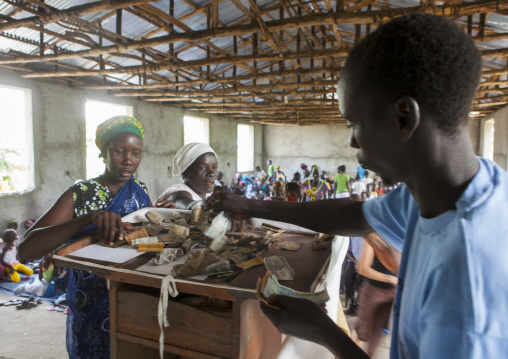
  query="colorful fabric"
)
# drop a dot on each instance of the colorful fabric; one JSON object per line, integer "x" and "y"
{"x": 187, "y": 155}
{"x": 87, "y": 293}
{"x": 314, "y": 193}
{"x": 21, "y": 268}
{"x": 115, "y": 125}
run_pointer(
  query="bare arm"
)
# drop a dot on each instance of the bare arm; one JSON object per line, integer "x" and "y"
{"x": 307, "y": 320}
{"x": 365, "y": 269}
{"x": 57, "y": 226}
{"x": 387, "y": 255}
{"x": 334, "y": 216}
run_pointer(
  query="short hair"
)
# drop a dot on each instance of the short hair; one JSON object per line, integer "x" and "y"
{"x": 342, "y": 168}
{"x": 292, "y": 187}
{"x": 426, "y": 57}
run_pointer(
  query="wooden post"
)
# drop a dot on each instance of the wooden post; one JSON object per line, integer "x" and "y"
{"x": 119, "y": 21}
{"x": 113, "y": 317}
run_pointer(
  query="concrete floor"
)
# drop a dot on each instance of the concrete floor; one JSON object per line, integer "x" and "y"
{"x": 31, "y": 333}
{"x": 37, "y": 333}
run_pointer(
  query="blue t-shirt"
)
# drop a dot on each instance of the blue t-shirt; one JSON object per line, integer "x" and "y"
{"x": 452, "y": 295}
{"x": 361, "y": 171}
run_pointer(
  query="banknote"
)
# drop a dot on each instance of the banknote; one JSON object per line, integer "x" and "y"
{"x": 250, "y": 263}
{"x": 217, "y": 231}
{"x": 167, "y": 255}
{"x": 288, "y": 245}
{"x": 154, "y": 217}
{"x": 279, "y": 266}
{"x": 144, "y": 240}
{"x": 217, "y": 268}
{"x": 270, "y": 285}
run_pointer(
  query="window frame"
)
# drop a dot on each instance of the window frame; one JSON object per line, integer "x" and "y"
{"x": 29, "y": 140}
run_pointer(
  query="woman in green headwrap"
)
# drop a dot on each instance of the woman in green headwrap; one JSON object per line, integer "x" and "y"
{"x": 87, "y": 206}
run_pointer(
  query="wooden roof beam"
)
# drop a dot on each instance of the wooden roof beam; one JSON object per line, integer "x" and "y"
{"x": 69, "y": 12}
{"x": 363, "y": 18}
{"x": 257, "y": 75}
{"x": 192, "y": 63}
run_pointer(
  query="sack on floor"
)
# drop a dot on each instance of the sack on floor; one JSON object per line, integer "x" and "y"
{"x": 37, "y": 287}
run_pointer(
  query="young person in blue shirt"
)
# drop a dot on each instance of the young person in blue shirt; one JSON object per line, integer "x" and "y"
{"x": 406, "y": 92}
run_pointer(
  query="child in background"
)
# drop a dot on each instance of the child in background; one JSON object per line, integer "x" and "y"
{"x": 47, "y": 268}
{"x": 13, "y": 224}
{"x": 9, "y": 256}
{"x": 292, "y": 192}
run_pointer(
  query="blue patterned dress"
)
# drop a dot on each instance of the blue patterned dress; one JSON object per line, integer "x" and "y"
{"x": 87, "y": 293}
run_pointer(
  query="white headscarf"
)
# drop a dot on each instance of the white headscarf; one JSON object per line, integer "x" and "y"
{"x": 187, "y": 155}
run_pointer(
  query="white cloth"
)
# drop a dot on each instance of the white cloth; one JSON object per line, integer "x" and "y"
{"x": 181, "y": 187}
{"x": 187, "y": 155}
{"x": 358, "y": 187}
{"x": 37, "y": 287}
{"x": 294, "y": 348}
{"x": 366, "y": 181}
{"x": 342, "y": 195}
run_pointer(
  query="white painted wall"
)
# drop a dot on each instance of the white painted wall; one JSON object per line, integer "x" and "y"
{"x": 59, "y": 143}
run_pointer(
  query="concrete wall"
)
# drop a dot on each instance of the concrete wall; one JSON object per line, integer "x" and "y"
{"x": 500, "y": 136}
{"x": 59, "y": 143}
{"x": 323, "y": 145}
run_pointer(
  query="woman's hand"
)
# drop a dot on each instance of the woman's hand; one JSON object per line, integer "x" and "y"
{"x": 164, "y": 203}
{"x": 110, "y": 226}
{"x": 393, "y": 280}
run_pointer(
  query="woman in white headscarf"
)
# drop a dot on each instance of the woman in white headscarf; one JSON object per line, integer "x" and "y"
{"x": 197, "y": 164}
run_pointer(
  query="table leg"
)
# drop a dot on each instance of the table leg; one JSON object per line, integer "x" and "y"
{"x": 113, "y": 316}
{"x": 255, "y": 337}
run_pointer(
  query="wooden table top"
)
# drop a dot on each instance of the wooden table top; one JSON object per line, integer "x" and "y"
{"x": 309, "y": 266}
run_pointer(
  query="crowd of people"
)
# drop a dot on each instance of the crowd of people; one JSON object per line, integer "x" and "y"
{"x": 313, "y": 184}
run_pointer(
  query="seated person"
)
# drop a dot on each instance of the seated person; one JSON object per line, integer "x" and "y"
{"x": 197, "y": 164}
{"x": 9, "y": 256}
{"x": 47, "y": 268}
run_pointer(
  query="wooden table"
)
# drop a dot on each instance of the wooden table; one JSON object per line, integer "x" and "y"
{"x": 244, "y": 332}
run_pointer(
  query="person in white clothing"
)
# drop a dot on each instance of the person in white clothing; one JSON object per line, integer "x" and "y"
{"x": 366, "y": 180}
{"x": 357, "y": 187}
{"x": 197, "y": 164}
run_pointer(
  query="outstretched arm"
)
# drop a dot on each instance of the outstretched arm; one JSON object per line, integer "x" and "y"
{"x": 306, "y": 320}
{"x": 57, "y": 226}
{"x": 335, "y": 216}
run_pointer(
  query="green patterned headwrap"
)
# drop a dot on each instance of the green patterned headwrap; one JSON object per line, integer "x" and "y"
{"x": 115, "y": 125}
